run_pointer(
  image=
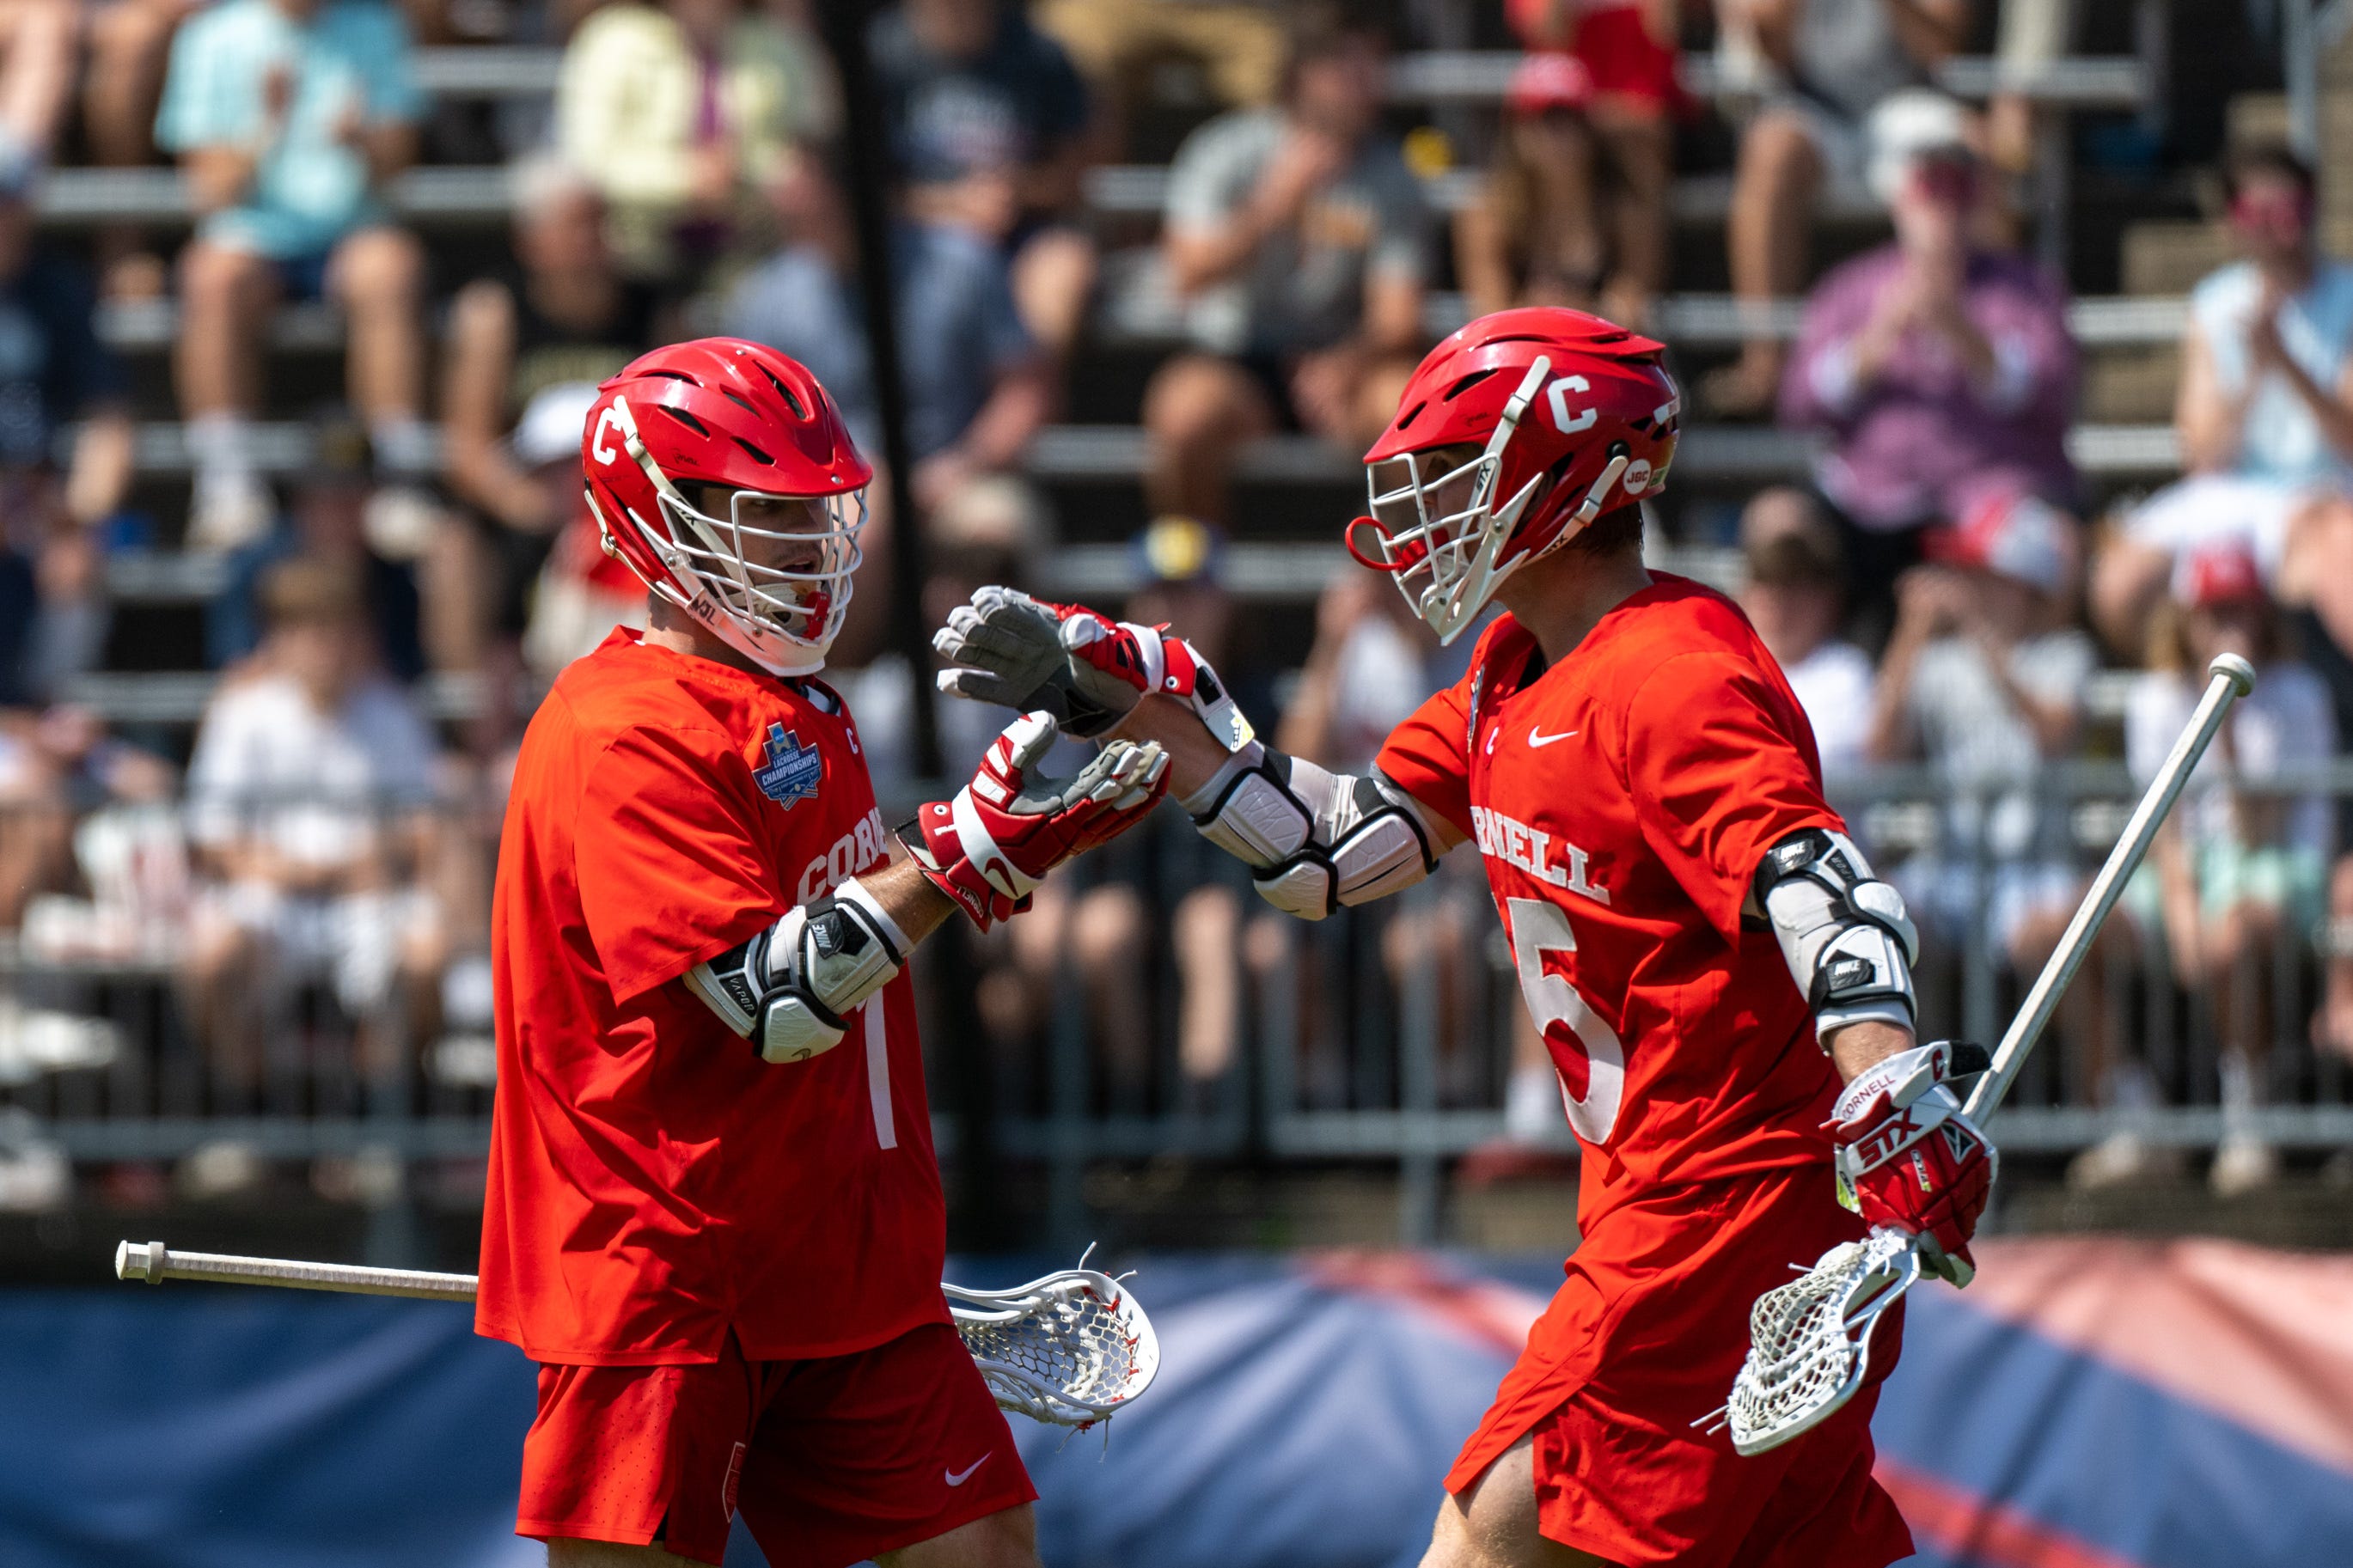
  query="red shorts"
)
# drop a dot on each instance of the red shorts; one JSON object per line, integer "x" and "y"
{"x": 1629, "y": 67}
{"x": 1645, "y": 1338}
{"x": 831, "y": 1460}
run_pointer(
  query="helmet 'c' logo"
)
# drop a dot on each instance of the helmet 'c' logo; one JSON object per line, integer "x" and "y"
{"x": 607, "y": 420}
{"x": 1557, "y": 394}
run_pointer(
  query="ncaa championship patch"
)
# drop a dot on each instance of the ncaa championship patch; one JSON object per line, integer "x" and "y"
{"x": 792, "y": 771}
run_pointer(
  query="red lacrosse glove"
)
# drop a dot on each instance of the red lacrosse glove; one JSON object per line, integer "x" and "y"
{"x": 1907, "y": 1158}
{"x": 1082, "y": 667}
{"x": 990, "y": 847}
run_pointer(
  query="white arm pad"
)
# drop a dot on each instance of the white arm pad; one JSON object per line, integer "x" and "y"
{"x": 1315, "y": 841}
{"x": 791, "y": 989}
{"x": 1849, "y": 943}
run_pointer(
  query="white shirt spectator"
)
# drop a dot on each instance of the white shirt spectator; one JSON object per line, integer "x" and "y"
{"x": 315, "y": 785}
{"x": 1833, "y": 684}
{"x": 1381, "y": 679}
{"x": 1978, "y": 740}
{"x": 2286, "y": 725}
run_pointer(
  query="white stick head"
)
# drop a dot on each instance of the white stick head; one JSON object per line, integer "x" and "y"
{"x": 2236, "y": 671}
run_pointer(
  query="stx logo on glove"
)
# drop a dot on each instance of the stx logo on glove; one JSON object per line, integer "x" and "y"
{"x": 1908, "y": 1159}
{"x": 1886, "y": 1140}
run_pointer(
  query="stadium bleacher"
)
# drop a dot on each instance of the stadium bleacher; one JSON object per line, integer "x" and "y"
{"x": 1295, "y": 488}
{"x": 2175, "y": 1391}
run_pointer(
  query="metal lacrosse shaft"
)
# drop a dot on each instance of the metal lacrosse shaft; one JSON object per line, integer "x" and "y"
{"x": 2230, "y": 678}
{"x": 154, "y": 1263}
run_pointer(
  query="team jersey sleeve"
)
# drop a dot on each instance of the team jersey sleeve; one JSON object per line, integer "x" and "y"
{"x": 1428, "y": 756}
{"x": 669, "y": 869}
{"x": 1720, "y": 773}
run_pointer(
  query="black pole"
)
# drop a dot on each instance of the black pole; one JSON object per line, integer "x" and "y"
{"x": 980, "y": 1215}
{"x": 870, "y": 181}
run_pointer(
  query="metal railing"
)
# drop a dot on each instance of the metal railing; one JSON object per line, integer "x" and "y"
{"x": 1164, "y": 1014}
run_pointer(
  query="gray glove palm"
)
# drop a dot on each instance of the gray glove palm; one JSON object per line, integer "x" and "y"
{"x": 1020, "y": 653}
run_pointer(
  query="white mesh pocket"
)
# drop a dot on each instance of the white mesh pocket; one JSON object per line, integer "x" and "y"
{"x": 1069, "y": 1349}
{"x": 1809, "y": 1340}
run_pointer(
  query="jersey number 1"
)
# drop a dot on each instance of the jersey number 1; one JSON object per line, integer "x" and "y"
{"x": 1538, "y": 927}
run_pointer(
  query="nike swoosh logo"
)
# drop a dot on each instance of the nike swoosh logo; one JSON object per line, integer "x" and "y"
{"x": 958, "y": 1477}
{"x": 1537, "y": 739}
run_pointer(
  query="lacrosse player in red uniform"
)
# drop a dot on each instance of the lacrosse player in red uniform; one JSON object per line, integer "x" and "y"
{"x": 714, "y": 1216}
{"x": 1725, "y": 986}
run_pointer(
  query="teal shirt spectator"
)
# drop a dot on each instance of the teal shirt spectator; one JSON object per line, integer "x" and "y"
{"x": 309, "y": 188}
{"x": 2279, "y": 439}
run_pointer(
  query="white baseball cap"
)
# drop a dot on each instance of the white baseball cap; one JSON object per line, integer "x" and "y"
{"x": 551, "y": 421}
{"x": 1911, "y": 124}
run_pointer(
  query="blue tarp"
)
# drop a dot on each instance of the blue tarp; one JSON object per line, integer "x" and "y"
{"x": 1305, "y": 1412}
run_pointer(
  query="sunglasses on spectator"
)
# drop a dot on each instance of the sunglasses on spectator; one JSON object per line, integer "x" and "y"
{"x": 2273, "y": 209}
{"x": 1945, "y": 177}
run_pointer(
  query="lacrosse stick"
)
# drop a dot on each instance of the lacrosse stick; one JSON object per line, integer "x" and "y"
{"x": 1809, "y": 1340}
{"x": 1069, "y": 1349}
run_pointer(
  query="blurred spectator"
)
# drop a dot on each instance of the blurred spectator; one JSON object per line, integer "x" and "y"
{"x": 54, "y": 766}
{"x": 130, "y": 44}
{"x": 39, "y": 43}
{"x": 288, "y": 117}
{"x": 977, "y": 388}
{"x": 1942, "y": 372}
{"x": 1120, "y": 44}
{"x": 36, "y": 830}
{"x": 1100, "y": 937}
{"x": 996, "y": 532}
{"x": 1534, "y": 234}
{"x": 1364, "y": 675}
{"x": 1792, "y": 590}
{"x": 1370, "y": 665}
{"x": 308, "y": 802}
{"x": 989, "y": 121}
{"x": 551, "y": 326}
{"x": 2240, "y": 872}
{"x": 686, "y": 114}
{"x": 1575, "y": 211}
{"x": 1822, "y": 67}
{"x": 581, "y": 593}
{"x": 2264, "y": 412}
{"x": 1297, "y": 239}
{"x": 1985, "y": 679}
{"x": 82, "y": 812}
{"x": 55, "y": 375}
{"x": 2033, "y": 36}
{"x": 326, "y": 526}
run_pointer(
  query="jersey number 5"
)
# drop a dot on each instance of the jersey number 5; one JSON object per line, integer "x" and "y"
{"x": 1538, "y": 927}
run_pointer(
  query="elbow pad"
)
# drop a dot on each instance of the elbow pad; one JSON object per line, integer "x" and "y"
{"x": 1849, "y": 943}
{"x": 791, "y": 989}
{"x": 1315, "y": 841}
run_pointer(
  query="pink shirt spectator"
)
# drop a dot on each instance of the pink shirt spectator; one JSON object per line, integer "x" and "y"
{"x": 1924, "y": 436}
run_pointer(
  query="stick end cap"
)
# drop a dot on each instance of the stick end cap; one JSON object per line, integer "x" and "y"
{"x": 2236, "y": 671}
{"x": 144, "y": 1261}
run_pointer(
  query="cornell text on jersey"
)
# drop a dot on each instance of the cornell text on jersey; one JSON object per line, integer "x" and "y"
{"x": 1515, "y": 843}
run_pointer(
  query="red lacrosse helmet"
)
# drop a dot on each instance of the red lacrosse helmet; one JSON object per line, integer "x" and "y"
{"x": 1513, "y": 436}
{"x": 770, "y": 579}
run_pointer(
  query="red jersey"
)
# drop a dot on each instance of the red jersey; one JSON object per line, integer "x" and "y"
{"x": 653, "y": 1184}
{"x": 1623, "y": 800}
